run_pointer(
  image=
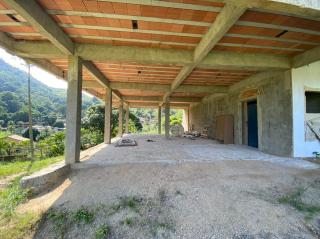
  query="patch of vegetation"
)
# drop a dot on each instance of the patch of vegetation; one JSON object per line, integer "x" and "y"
{"x": 103, "y": 232}
{"x": 11, "y": 197}
{"x": 295, "y": 200}
{"x": 60, "y": 221}
{"x": 162, "y": 193}
{"x": 148, "y": 216}
{"x": 129, "y": 202}
{"x": 16, "y": 167}
{"x": 83, "y": 215}
{"x": 19, "y": 226}
{"x": 129, "y": 221}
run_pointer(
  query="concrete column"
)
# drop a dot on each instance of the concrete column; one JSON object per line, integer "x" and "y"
{"x": 120, "y": 133}
{"x": 107, "y": 116}
{"x": 127, "y": 119}
{"x": 185, "y": 119}
{"x": 159, "y": 120}
{"x": 72, "y": 149}
{"x": 167, "y": 120}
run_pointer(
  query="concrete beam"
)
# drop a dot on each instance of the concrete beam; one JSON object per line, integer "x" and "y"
{"x": 157, "y": 3}
{"x": 72, "y": 154}
{"x": 141, "y": 55}
{"x": 127, "y": 17}
{"x": 252, "y": 61}
{"x": 96, "y": 73}
{"x": 156, "y": 105}
{"x": 230, "y": 13}
{"x": 306, "y": 58}
{"x": 38, "y": 18}
{"x": 215, "y": 59}
{"x": 159, "y": 99}
{"x": 185, "y": 99}
{"x": 157, "y": 87}
{"x": 142, "y": 98}
{"x": 49, "y": 67}
{"x": 107, "y": 116}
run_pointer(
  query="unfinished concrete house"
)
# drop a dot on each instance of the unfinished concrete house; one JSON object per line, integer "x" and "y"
{"x": 245, "y": 71}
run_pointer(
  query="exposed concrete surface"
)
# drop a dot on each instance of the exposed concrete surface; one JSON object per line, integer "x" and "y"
{"x": 46, "y": 178}
{"x": 178, "y": 150}
{"x": 232, "y": 193}
{"x": 274, "y": 111}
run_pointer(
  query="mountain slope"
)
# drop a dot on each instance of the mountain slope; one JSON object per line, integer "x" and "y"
{"x": 48, "y": 104}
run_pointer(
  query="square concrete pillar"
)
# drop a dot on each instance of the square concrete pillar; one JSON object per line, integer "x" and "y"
{"x": 167, "y": 120}
{"x": 73, "y": 124}
{"x": 159, "y": 120}
{"x": 120, "y": 132}
{"x": 107, "y": 116}
{"x": 127, "y": 119}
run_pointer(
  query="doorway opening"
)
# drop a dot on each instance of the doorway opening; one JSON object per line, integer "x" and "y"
{"x": 250, "y": 123}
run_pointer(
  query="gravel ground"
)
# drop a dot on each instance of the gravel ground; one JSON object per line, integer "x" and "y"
{"x": 209, "y": 194}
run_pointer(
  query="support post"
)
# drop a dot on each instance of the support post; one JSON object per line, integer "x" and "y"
{"x": 72, "y": 149}
{"x": 107, "y": 116}
{"x": 167, "y": 119}
{"x": 159, "y": 120}
{"x": 127, "y": 119}
{"x": 120, "y": 132}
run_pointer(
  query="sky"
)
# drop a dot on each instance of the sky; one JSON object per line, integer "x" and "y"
{"x": 39, "y": 74}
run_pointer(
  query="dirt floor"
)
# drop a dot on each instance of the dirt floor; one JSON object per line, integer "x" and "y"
{"x": 183, "y": 189}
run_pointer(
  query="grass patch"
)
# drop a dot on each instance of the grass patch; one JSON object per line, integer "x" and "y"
{"x": 129, "y": 202}
{"x": 19, "y": 226}
{"x": 83, "y": 215}
{"x": 11, "y": 197}
{"x": 4, "y": 134}
{"x": 103, "y": 232}
{"x": 16, "y": 167}
{"x": 60, "y": 221}
{"x": 295, "y": 200}
{"x": 128, "y": 221}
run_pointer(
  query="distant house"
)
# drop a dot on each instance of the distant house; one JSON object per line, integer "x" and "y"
{"x": 15, "y": 138}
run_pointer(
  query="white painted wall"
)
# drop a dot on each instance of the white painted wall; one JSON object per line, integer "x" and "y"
{"x": 303, "y": 78}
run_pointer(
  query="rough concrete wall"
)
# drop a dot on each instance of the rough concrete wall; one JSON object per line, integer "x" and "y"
{"x": 274, "y": 111}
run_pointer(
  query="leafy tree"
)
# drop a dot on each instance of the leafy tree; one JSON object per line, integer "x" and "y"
{"x": 11, "y": 126}
{"x": 35, "y": 134}
{"x": 59, "y": 124}
{"x": 55, "y": 143}
{"x": 94, "y": 120}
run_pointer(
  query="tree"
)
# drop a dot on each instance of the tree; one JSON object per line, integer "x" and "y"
{"x": 35, "y": 133}
{"x": 11, "y": 126}
{"x": 59, "y": 124}
{"x": 94, "y": 120}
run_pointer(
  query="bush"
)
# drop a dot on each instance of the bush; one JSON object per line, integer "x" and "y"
{"x": 90, "y": 138}
{"x": 55, "y": 143}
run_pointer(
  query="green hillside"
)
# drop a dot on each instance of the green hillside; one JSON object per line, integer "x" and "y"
{"x": 49, "y": 104}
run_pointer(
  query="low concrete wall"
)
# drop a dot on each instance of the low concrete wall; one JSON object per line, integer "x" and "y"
{"x": 274, "y": 111}
{"x": 46, "y": 178}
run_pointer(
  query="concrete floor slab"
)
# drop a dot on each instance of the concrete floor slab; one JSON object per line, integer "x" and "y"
{"x": 178, "y": 150}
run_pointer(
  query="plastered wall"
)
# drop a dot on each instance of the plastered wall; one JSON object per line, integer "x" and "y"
{"x": 306, "y": 78}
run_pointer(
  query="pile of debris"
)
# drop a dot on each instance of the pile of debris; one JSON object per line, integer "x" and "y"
{"x": 126, "y": 142}
{"x": 191, "y": 135}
